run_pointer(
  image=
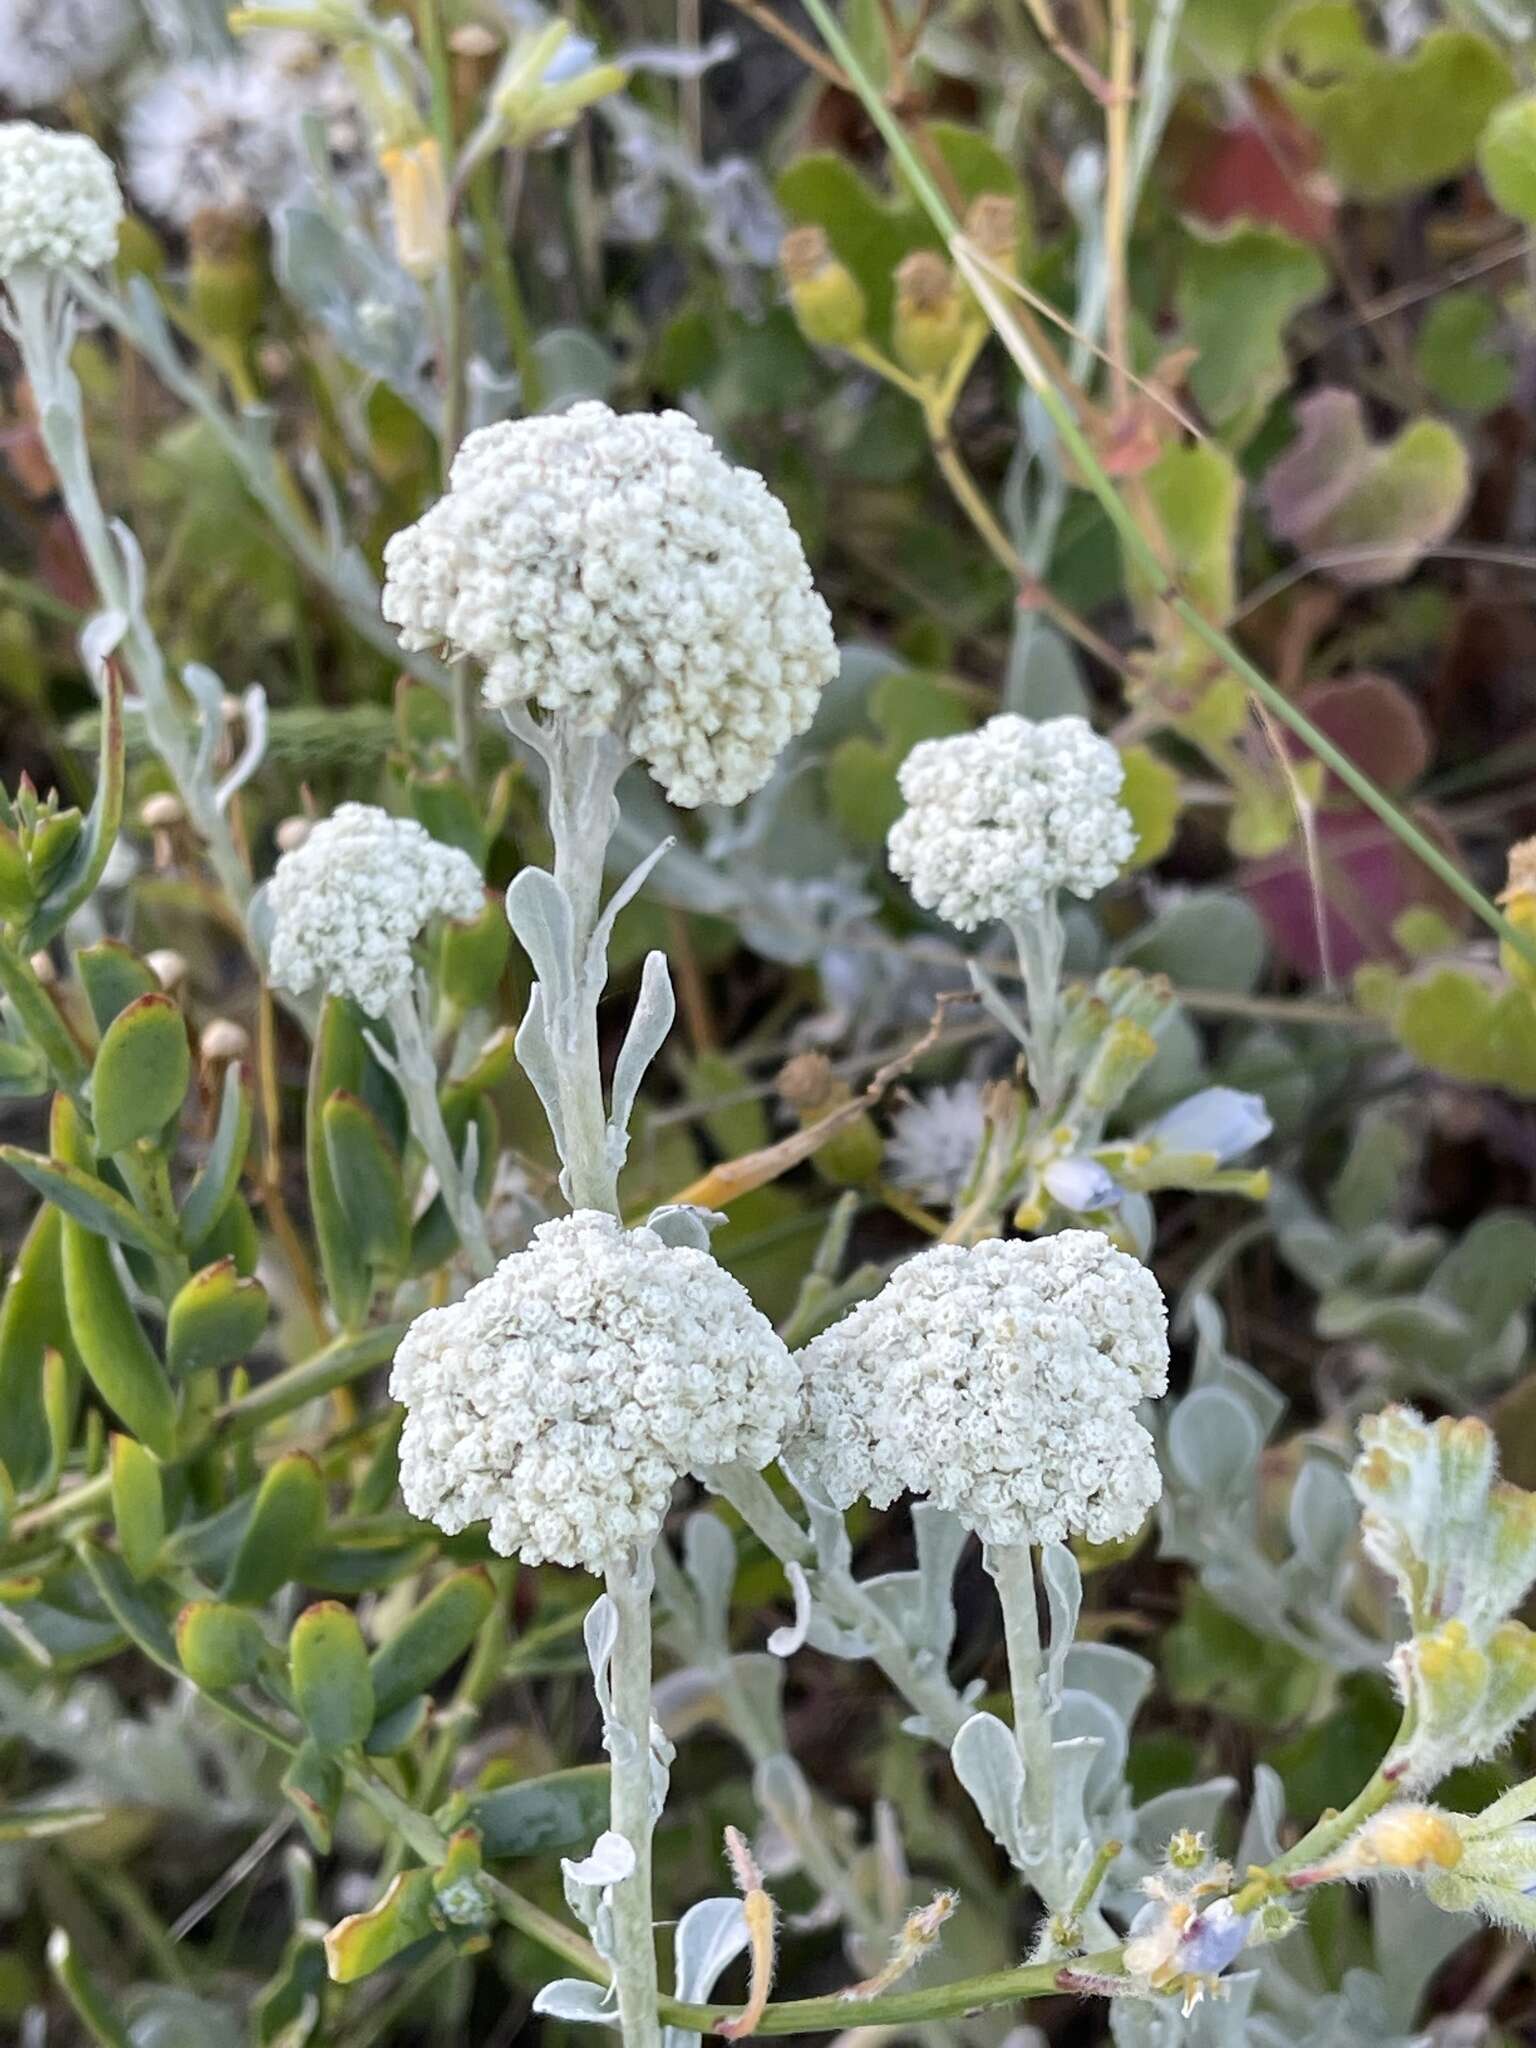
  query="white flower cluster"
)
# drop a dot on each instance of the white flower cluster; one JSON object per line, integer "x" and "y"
{"x": 564, "y": 1396}
{"x": 48, "y": 46}
{"x": 346, "y": 905}
{"x": 1000, "y": 818}
{"x": 1001, "y": 1380}
{"x": 211, "y": 137}
{"x": 619, "y": 572}
{"x": 59, "y": 201}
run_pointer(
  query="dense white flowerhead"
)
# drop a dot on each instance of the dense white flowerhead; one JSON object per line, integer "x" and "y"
{"x": 1002, "y": 1381}
{"x": 211, "y": 136}
{"x": 48, "y": 46}
{"x": 347, "y": 904}
{"x": 617, "y": 571}
{"x": 1000, "y": 818}
{"x": 563, "y": 1397}
{"x": 59, "y": 201}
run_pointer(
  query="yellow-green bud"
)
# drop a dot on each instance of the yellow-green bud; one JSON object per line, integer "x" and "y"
{"x": 228, "y": 279}
{"x": 992, "y": 228}
{"x": 853, "y": 1154}
{"x": 824, "y": 294}
{"x": 930, "y": 318}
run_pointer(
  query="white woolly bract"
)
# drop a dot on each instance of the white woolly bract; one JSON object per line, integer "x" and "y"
{"x": 211, "y": 137}
{"x": 347, "y": 904}
{"x": 618, "y": 572}
{"x": 48, "y": 46}
{"x": 1001, "y": 1380}
{"x": 934, "y": 1141}
{"x": 1000, "y": 818}
{"x": 59, "y": 201}
{"x": 563, "y": 1397}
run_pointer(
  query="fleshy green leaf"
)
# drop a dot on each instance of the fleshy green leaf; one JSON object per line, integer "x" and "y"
{"x": 435, "y": 1635}
{"x": 286, "y": 1523}
{"x": 328, "y": 1668}
{"x": 213, "y": 1190}
{"x": 215, "y": 1319}
{"x": 368, "y": 1184}
{"x": 138, "y": 1505}
{"x": 141, "y": 1073}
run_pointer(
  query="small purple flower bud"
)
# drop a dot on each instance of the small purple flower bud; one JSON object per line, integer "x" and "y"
{"x": 1213, "y": 1939}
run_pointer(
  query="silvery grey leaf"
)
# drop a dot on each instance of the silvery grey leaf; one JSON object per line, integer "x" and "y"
{"x": 253, "y": 713}
{"x": 100, "y": 638}
{"x": 1213, "y": 1442}
{"x": 1084, "y": 1717}
{"x": 709, "y": 1559}
{"x": 602, "y": 933}
{"x": 1323, "y": 1516}
{"x": 987, "y": 1763}
{"x": 536, "y": 1057}
{"x": 779, "y": 1786}
{"x": 1064, "y": 1602}
{"x": 600, "y": 1632}
{"x": 655, "y": 1008}
{"x": 1118, "y": 1677}
{"x": 939, "y": 1537}
{"x": 684, "y": 1224}
{"x": 709, "y": 1936}
{"x": 577, "y": 2000}
{"x": 1260, "y": 1841}
{"x": 828, "y": 1529}
{"x": 539, "y": 912}
{"x": 784, "y": 1641}
{"x": 996, "y": 1004}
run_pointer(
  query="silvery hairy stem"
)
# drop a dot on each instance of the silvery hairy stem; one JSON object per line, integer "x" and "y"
{"x": 631, "y": 1811}
{"x": 42, "y": 324}
{"x": 415, "y": 1071}
{"x": 1012, "y": 1571}
{"x": 1040, "y": 944}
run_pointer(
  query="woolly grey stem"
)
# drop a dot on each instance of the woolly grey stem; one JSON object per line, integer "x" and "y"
{"x": 1013, "y": 1573}
{"x": 1040, "y": 944}
{"x": 584, "y": 769}
{"x": 629, "y": 1584}
{"x": 925, "y": 1689}
{"x": 415, "y": 1070}
{"x": 42, "y": 325}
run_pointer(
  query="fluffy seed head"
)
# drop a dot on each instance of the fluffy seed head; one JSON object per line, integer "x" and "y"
{"x": 1001, "y": 1380}
{"x": 59, "y": 202}
{"x": 211, "y": 137}
{"x": 48, "y": 46}
{"x": 618, "y": 572}
{"x": 347, "y": 904}
{"x": 563, "y": 1397}
{"x": 998, "y": 819}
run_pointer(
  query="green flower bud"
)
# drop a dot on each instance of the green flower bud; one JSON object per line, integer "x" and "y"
{"x": 929, "y": 323}
{"x": 824, "y": 294}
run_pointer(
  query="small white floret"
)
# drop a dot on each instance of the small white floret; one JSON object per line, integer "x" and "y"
{"x": 59, "y": 201}
{"x": 615, "y": 571}
{"x": 348, "y": 903}
{"x": 1000, "y": 1380}
{"x": 999, "y": 819}
{"x": 564, "y": 1396}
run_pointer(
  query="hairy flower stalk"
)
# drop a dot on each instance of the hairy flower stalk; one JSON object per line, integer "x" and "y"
{"x": 60, "y": 210}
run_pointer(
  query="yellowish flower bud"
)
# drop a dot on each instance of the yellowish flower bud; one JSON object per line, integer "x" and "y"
{"x": 824, "y": 294}
{"x": 930, "y": 318}
{"x": 418, "y": 195}
{"x": 228, "y": 277}
{"x": 992, "y": 227}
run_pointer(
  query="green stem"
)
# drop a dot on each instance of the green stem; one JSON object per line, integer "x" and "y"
{"x": 501, "y": 272}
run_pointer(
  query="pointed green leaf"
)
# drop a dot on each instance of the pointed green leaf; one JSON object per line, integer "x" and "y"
{"x": 391, "y": 1732}
{"x": 216, "y": 1319}
{"x": 286, "y": 1523}
{"x": 141, "y": 1073}
{"x": 138, "y": 1505}
{"x": 32, "y": 1321}
{"x": 328, "y": 1668}
{"x": 214, "y": 1188}
{"x": 434, "y": 1636}
{"x": 136, "y": 1613}
{"x": 336, "y": 1062}
{"x": 365, "y": 1942}
{"x": 368, "y": 1183}
{"x": 553, "y": 1812}
{"x": 313, "y": 1782}
{"x": 113, "y": 976}
{"x": 472, "y": 957}
{"x": 89, "y": 1201}
{"x": 78, "y": 876}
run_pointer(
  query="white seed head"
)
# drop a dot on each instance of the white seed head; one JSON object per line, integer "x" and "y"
{"x": 347, "y": 904}
{"x": 49, "y": 46}
{"x": 210, "y": 136}
{"x": 563, "y": 1397}
{"x": 1002, "y": 1381}
{"x": 1000, "y": 818}
{"x": 935, "y": 1139}
{"x": 59, "y": 202}
{"x": 618, "y": 572}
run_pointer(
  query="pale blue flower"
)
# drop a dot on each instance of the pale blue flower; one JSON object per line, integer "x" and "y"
{"x": 1225, "y": 1122}
{"x": 1082, "y": 1184}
